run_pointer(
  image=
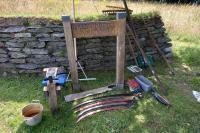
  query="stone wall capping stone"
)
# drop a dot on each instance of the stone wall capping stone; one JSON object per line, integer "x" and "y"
{"x": 13, "y": 29}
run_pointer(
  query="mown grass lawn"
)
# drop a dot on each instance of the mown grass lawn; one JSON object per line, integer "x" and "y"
{"x": 148, "y": 116}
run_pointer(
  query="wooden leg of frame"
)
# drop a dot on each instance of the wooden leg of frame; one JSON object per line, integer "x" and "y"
{"x": 53, "y": 103}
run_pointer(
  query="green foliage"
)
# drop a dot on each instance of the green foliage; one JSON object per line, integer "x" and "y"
{"x": 195, "y": 83}
{"x": 187, "y": 48}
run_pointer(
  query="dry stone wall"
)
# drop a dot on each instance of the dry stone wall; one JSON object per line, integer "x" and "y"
{"x": 27, "y": 45}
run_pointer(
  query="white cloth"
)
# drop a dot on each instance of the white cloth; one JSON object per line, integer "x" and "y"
{"x": 196, "y": 94}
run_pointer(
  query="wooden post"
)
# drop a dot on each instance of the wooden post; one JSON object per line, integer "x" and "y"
{"x": 120, "y": 55}
{"x": 71, "y": 52}
{"x": 53, "y": 103}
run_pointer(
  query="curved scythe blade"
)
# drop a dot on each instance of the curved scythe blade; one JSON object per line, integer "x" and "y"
{"x": 118, "y": 96}
{"x": 105, "y": 106}
{"x": 102, "y": 103}
{"x": 102, "y": 110}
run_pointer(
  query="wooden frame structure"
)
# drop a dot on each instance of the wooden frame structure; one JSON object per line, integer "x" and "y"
{"x": 96, "y": 29}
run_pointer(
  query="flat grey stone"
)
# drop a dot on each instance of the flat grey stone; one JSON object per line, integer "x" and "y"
{"x": 27, "y": 51}
{"x": 39, "y": 51}
{"x": 27, "y": 66}
{"x": 58, "y": 35}
{"x": 6, "y": 35}
{"x": 17, "y": 61}
{"x": 23, "y": 35}
{"x": 40, "y": 30}
{"x": 17, "y": 55}
{"x": 14, "y": 45}
{"x": 7, "y": 66}
{"x": 40, "y": 60}
{"x": 14, "y": 49}
{"x": 58, "y": 29}
{"x": 3, "y": 55}
{"x": 61, "y": 59}
{"x": 35, "y": 44}
{"x": 3, "y": 60}
{"x": 56, "y": 44}
{"x": 35, "y": 51}
{"x": 2, "y": 51}
{"x": 169, "y": 55}
{"x": 2, "y": 44}
{"x": 42, "y": 35}
{"x": 40, "y": 56}
{"x": 49, "y": 39}
{"x": 4, "y": 74}
{"x": 13, "y": 29}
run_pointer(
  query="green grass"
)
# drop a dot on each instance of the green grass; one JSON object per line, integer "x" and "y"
{"x": 148, "y": 116}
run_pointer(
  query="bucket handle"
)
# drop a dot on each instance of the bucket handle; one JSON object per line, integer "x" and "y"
{"x": 35, "y": 101}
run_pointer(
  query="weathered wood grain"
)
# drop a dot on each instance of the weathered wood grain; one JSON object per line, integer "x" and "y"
{"x": 120, "y": 55}
{"x": 94, "y": 29}
{"x": 71, "y": 52}
{"x": 53, "y": 103}
{"x": 84, "y": 94}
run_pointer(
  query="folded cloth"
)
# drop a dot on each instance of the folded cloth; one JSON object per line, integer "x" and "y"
{"x": 60, "y": 80}
{"x": 196, "y": 94}
{"x": 134, "y": 86}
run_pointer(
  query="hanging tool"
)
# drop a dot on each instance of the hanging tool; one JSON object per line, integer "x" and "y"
{"x": 75, "y": 47}
{"x": 158, "y": 48}
{"x": 134, "y": 38}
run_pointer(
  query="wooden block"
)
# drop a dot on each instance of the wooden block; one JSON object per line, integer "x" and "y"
{"x": 94, "y": 29}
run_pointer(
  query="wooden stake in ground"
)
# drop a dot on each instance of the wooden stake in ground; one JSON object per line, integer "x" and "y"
{"x": 53, "y": 103}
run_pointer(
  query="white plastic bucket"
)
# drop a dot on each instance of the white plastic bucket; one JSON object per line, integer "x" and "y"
{"x": 32, "y": 113}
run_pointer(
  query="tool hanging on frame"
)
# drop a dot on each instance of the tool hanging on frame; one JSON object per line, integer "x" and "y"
{"x": 75, "y": 47}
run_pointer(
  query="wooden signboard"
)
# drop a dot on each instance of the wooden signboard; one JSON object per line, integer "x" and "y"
{"x": 96, "y": 29}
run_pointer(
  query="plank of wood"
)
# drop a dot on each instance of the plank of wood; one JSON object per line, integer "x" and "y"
{"x": 71, "y": 52}
{"x": 94, "y": 29}
{"x": 120, "y": 55}
{"x": 84, "y": 94}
